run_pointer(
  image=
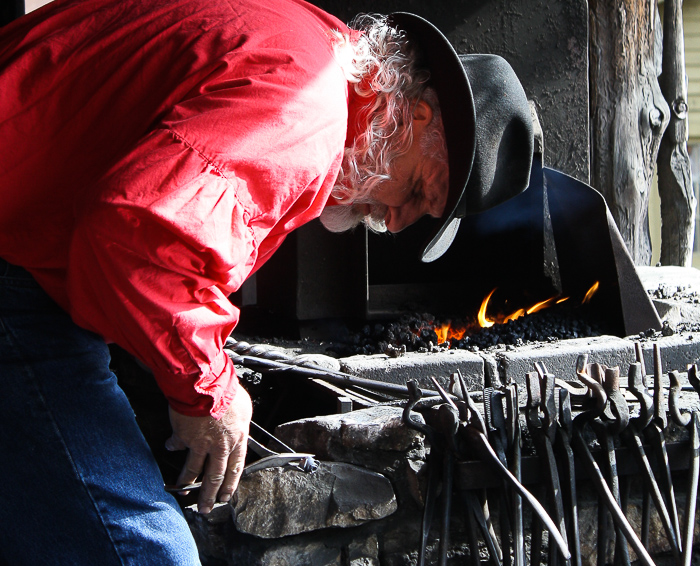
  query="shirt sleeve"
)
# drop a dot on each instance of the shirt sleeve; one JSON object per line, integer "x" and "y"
{"x": 191, "y": 209}
{"x": 157, "y": 248}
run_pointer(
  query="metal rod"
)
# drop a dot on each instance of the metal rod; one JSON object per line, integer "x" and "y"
{"x": 566, "y": 461}
{"x": 484, "y": 447}
{"x": 447, "y": 475}
{"x": 515, "y": 442}
{"x": 318, "y": 372}
{"x": 635, "y": 443}
{"x": 617, "y": 515}
{"x": 692, "y": 492}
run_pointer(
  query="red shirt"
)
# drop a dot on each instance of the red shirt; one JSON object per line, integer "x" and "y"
{"x": 153, "y": 154}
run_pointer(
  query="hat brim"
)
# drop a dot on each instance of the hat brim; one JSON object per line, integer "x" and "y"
{"x": 450, "y": 81}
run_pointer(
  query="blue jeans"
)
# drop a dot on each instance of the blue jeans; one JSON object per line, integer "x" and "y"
{"x": 79, "y": 483}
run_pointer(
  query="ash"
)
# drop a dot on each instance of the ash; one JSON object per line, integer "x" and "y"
{"x": 417, "y": 333}
{"x": 680, "y": 293}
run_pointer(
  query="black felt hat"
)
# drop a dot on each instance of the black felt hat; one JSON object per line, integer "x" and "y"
{"x": 487, "y": 122}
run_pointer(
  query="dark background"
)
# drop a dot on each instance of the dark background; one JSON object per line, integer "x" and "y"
{"x": 545, "y": 41}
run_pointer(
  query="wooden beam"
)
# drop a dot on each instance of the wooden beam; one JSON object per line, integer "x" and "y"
{"x": 675, "y": 180}
{"x": 628, "y": 113}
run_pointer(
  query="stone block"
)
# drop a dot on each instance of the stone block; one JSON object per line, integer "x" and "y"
{"x": 364, "y": 552}
{"x": 278, "y": 502}
{"x": 418, "y": 366}
{"x": 373, "y": 437}
{"x": 560, "y": 357}
{"x": 299, "y": 553}
{"x": 677, "y": 351}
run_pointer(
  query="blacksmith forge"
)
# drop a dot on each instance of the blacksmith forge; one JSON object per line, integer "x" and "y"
{"x": 555, "y": 239}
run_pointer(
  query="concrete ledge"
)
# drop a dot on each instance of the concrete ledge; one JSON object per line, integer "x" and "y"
{"x": 418, "y": 366}
{"x": 560, "y": 357}
{"x": 677, "y": 352}
{"x": 675, "y": 292}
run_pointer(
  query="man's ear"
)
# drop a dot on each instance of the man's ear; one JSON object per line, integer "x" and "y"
{"x": 422, "y": 112}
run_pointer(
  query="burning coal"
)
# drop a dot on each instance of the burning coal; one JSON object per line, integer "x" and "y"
{"x": 555, "y": 318}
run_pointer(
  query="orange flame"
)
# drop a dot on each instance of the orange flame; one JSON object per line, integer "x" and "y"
{"x": 486, "y": 322}
{"x": 442, "y": 333}
{"x": 481, "y": 317}
{"x": 447, "y": 332}
{"x": 541, "y": 305}
{"x": 590, "y": 292}
{"x": 517, "y": 314}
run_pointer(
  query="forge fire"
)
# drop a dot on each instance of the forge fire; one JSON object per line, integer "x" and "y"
{"x": 555, "y": 318}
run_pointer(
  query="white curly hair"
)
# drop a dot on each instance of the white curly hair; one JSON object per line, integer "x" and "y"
{"x": 382, "y": 67}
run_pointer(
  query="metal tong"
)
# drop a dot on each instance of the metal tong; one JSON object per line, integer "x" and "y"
{"x": 473, "y": 432}
{"x": 610, "y": 417}
{"x": 654, "y": 434}
{"x": 632, "y": 436}
{"x": 268, "y": 458}
{"x": 540, "y": 393}
{"x": 692, "y": 423}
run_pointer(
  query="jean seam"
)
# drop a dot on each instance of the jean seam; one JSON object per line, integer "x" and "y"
{"x": 42, "y": 398}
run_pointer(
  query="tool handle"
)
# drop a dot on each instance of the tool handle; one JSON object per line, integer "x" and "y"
{"x": 488, "y": 454}
{"x": 602, "y": 487}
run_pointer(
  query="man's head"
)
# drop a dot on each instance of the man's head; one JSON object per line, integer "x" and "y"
{"x": 415, "y": 185}
{"x": 471, "y": 109}
{"x": 419, "y": 177}
{"x": 396, "y": 169}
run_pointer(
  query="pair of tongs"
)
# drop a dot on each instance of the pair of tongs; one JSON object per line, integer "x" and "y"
{"x": 268, "y": 458}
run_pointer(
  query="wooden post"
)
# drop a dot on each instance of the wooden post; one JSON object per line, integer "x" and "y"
{"x": 675, "y": 180}
{"x": 628, "y": 113}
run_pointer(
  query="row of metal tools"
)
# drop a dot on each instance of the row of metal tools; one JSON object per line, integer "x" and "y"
{"x": 564, "y": 420}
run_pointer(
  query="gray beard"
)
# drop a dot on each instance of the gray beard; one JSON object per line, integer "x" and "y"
{"x": 346, "y": 217}
{"x": 341, "y": 218}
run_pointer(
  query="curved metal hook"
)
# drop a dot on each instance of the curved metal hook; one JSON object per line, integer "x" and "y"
{"x": 616, "y": 402}
{"x": 548, "y": 404}
{"x": 534, "y": 400}
{"x": 681, "y": 419}
{"x": 415, "y": 395}
{"x": 693, "y": 377}
{"x": 474, "y": 417}
{"x": 635, "y": 383}
{"x": 595, "y": 387}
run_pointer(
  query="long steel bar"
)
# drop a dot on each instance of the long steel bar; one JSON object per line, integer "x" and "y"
{"x": 692, "y": 491}
{"x": 567, "y": 465}
{"x": 599, "y": 482}
{"x": 655, "y": 435}
{"x": 637, "y": 381}
{"x": 318, "y": 372}
{"x": 515, "y": 450}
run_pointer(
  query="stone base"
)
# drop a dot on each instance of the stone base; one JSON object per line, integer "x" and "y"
{"x": 377, "y": 440}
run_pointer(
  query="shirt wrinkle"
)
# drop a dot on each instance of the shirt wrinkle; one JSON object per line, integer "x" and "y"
{"x": 170, "y": 156}
{"x": 210, "y": 163}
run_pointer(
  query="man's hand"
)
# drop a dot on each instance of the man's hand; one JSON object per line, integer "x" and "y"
{"x": 217, "y": 447}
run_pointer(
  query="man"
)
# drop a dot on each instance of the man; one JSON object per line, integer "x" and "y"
{"x": 154, "y": 154}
